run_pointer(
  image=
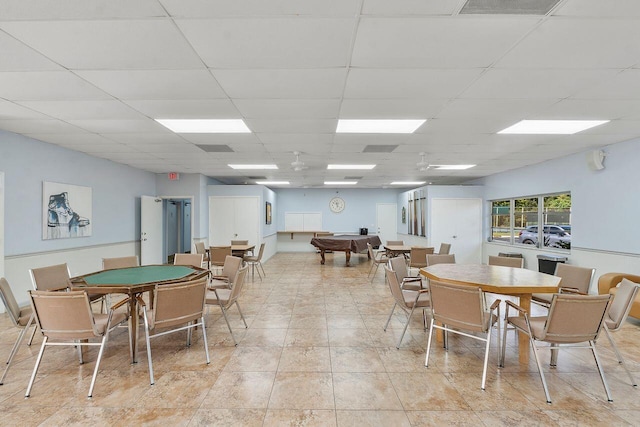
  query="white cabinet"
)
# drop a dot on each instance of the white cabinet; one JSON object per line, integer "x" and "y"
{"x": 234, "y": 218}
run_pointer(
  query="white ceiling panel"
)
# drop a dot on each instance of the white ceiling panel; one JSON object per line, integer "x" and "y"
{"x": 578, "y": 43}
{"x": 218, "y": 8}
{"x": 410, "y": 7}
{"x": 75, "y": 139}
{"x": 38, "y": 126}
{"x": 156, "y": 84}
{"x": 448, "y": 43}
{"x": 408, "y": 83}
{"x": 390, "y": 108}
{"x": 288, "y": 108}
{"x": 512, "y": 109}
{"x": 270, "y": 43}
{"x": 118, "y": 126}
{"x": 534, "y": 83}
{"x": 108, "y": 45}
{"x": 599, "y": 8}
{"x": 591, "y": 109}
{"x": 292, "y": 125}
{"x": 623, "y": 86}
{"x": 79, "y": 9}
{"x": 221, "y": 138}
{"x": 305, "y": 139}
{"x": 10, "y": 110}
{"x": 81, "y": 110}
{"x": 186, "y": 109}
{"x": 282, "y": 84}
{"x": 148, "y": 138}
{"x": 46, "y": 85}
{"x": 18, "y": 57}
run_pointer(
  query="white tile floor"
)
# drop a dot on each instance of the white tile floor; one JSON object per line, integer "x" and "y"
{"x": 315, "y": 354}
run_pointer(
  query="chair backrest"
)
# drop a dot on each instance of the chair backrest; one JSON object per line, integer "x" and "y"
{"x": 178, "y": 303}
{"x": 574, "y": 276}
{"x": 370, "y": 251}
{"x": 200, "y": 248}
{"x": 261, "y": 251}
{"x": 192, "y": 260}
{"x": 444, "y": 248}
{"x": 217, "y": 254}
{"x": 120, "y": 262}
{"x": 238, "y": 283}
{"x": 394, "y": 286}
{"x": 440, "y": 259}
{"x": 506, "y": 261}
{"x": 458, "y": 306}
{"x": 621, "y": 305}
{"x": 52, "y": 278}
{"x": 399, "y": 267}
{"x": 239, "y": 242}
{"x": 64, "y": 315}
{"x": 231, "y": 266}
{"x": 10, "y": 303}
{"x": 575, "y": 318}
{"x": 395, "y": 242}
{"x": 418, "y": 257}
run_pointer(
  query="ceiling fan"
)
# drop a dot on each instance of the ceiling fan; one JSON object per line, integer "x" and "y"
{"x": 423, "y": 165}
{"x": 297, "y": 164}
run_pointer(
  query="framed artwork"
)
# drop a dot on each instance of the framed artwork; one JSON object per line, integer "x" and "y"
{"x": 66, "y": 211}
{"x": 404, "y": 215}
{"x": 268, "y": 213}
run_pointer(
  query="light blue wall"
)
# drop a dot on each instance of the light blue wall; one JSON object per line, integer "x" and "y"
{"x": 116, "y": 191}
{"x": 360, "y": 210}
{"x": 605, "y": 203}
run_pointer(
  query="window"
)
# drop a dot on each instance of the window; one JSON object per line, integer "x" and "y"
{"x": 517, "y": 220}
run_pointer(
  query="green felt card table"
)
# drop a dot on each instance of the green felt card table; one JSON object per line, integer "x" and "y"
{"x": 133, "y": 281}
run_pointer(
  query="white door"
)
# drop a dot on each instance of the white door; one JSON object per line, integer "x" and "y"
{"x": 459, "y": 222}
{"x": 387, "y": 221}
{"x": 151, "y": 230}
{"x": 233, "y": 218}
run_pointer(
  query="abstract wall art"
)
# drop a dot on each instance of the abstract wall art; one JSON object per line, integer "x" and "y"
{"x": 66, "y": 211}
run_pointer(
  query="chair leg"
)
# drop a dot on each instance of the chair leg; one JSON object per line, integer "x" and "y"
{"x": 426, "y": 360}
{"x": 405, "y": 328}
{"x": 486, "y": 359}
{"x": 615, "y": 350}
{"x": 504, "y": 343}
{"x": 33, "y": 334}
{"x": 14, "y": 350}
{"x": 241, "y": 315}
{"x": 204, "y": 339}
{"x": 544, "y": 381}
{"x": 95, "y": 371}
{"x": 599, "y": 365}
{"x": 146, "y": 333}
{"x": 224, "y": 314}
{"x": 35, "y": 368}
{"x": 553, "y": 361}
{"x": 390, "y": 314}
{"x": 262, "y": 267}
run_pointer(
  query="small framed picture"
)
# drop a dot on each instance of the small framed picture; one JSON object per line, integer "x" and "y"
{"x": 268, "y": 213}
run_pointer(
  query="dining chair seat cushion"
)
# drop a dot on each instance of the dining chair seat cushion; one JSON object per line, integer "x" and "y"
{"x": 251, "y": 258}
{"x": 25, "y": 316}
{"x": 542, "y": 298}
{"x": 219, "y": 284}
{"x": 410, "y": 299}
{"x": 102, "y": 320}
{"x": 537, "y": 324}
{"x": 222, "y": 297}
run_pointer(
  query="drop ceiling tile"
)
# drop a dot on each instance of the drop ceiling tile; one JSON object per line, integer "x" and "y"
{"x": 469, "y": 126}
{"x": 390, "y": 108}
{"x": 47, "y": 85}
{"x": 598, "y": 8}
{"x": 84, "y": 110}
{"x": 114, "y": 149}
{"x": 577, "y": 43}
{"x": 155, "y": 84}
{"x": 218, "y": 8}
{"x": 67, "y": 139}
{"x": 79, "y": 9}
{"x": 621, "y": 86}
{"x": 183, "y": 147}
{"x": 410, "y": 7}
{"x": 108, "y": 45}
{"x": 471, "y": 42}
{"x": 292, "y": 125}
{"x": 186, "y": 109}
{"x": 10, "y": 110}
{"x": 592, "y": 109}
{"x": 295, "y": 42}
{"x": 221, "y": 138}
{"x": 288, "y": 108}
{"x": 28, "y": 126}
{"x": 512, "y": 109}
{"x": 146, "y": 138}
{"x": 534, "y": 83}
{"x": 18, "y": 57}
{"x": 287, "y": 142}
{"x": 282, "y": 83}
{"x": 408, "y": 83}
{"x": 118, "y": 126}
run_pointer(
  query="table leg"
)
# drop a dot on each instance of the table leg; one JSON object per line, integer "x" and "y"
{"x": 133, "y": 328}
{"x": 523, "y": 339}
{"x": 348, "y": 252}
{"x": 322, "y": 256}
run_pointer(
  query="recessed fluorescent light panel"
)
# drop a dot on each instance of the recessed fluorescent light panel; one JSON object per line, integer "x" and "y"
{"x": 351, "y": 166}
{"x": 205, "y": 125}
{"x": 253, "y": 166}
{"x": 378, "y": 126}
{"x": 551, "y": 127}
{"x": 340, "y": 182}
{"x": 451, "y": 167}
{"x": 407, "y": 182}
{"x": 273, "y": 182}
